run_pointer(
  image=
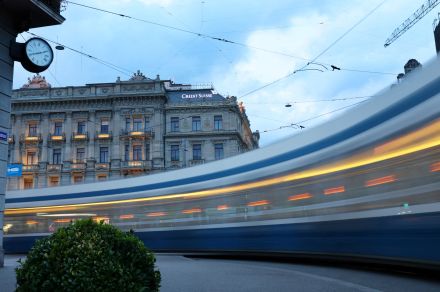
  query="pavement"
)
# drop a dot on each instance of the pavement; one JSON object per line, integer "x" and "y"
{"x": 180, "y": 274}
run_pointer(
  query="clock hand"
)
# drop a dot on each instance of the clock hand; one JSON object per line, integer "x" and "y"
{"x": 38, "y": 53}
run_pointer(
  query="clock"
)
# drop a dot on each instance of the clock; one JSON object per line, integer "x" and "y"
{"x": 37, "y": 55}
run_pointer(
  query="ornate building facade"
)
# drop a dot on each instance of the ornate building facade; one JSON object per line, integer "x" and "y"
{"x": 67, "y": 135}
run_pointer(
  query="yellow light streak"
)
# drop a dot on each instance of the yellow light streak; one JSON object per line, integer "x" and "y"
{"x": 345, "y": 164}
{"x": 156, "y": 214}
{"x": 300, "y": 197}
{"x": 334, "y": 190}
{"x": 222, "y": 207}
{"x": 380, "y": 180}
{"x": 258, "y": 203}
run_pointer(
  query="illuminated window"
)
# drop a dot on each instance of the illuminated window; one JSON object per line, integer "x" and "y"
{"x": 54, "y": 181}
{"x": 175, "y": 153}
{"x": 174, "y": 124}
{"x": 80, "y": 154}
{"x": 103, "y": 154}
{"x": 78, "y": 179}
{"x": 58, "y": 129}
{"x": 137, "y": 124}
{"x": 104, "y": 126}
{"x": 196, "y": 124}
{"x": 218, "y": 122}
{"x": 218, "y": 149}
{"x": 32, "y": 130}
{"x": 137, "y": 152}
{"x": 31, "y": 158}
{"x": 56, "y": 155}
{"x": 81, "y": 129}
{"x": 197, "y": 151}
{"x": 28, "y": 182}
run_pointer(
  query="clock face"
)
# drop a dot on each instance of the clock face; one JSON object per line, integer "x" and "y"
{"x": 39, "y": 52}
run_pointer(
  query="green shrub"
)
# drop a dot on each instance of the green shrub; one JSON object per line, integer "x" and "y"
{"x": 88, "y": 256}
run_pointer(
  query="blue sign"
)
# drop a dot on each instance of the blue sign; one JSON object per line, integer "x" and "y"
{"x": 3, "y": 136}
{"x": 14, "y": 170}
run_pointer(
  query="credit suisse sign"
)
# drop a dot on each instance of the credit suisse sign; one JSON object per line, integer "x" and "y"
{"x": 197, "y": 95}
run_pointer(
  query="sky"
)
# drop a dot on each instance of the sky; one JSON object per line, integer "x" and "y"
{"x": 272, "y": 39}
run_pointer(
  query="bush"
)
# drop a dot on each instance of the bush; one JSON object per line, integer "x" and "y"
{"x": 88, "y": 256}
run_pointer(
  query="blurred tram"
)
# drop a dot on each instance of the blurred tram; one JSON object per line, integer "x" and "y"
{"x": 365, "y": 185}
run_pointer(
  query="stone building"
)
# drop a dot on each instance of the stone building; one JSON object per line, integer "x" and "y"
{"x": 102, "y": 131}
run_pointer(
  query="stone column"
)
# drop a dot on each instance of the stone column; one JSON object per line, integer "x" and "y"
{"x": 115, "y": 149}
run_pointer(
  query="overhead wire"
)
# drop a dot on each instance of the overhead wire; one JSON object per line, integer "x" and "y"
{"x": 96, "y": 59}
{"x": 319, "y": 55}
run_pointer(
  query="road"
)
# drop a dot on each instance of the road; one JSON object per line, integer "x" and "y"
{"x": 180, "y": 274}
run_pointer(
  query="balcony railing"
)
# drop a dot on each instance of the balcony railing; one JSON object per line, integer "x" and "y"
{"x": 80, "y": 136}
{"x": 77, "y": 166}
{"x": 196, "y": 162}
{"x": 104, "y": 136}
{"x": 57, "y": 137}
{"x": 136, "y": 164}
{"x": 137, "y": 133}
{"x": 31, "y": 167}
{"x": 102, "y": 166}
{"x": 30, "y": 138}
{"x": 54, "y": 167}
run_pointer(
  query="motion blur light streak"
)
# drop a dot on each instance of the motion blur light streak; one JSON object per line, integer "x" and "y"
{"x": 380, "y": 180}
{"x": 222, "y": 207}
{"x": 258, "y": 203}
{"x": 435, "y": 167}
{"x": 63, "y": 220}
{"x": 300, "y": 197}
{"x": 355, "y": 161}
{"x": 191, "y": 211}
{"x": 334, "y": 190}
{"x": 156, "y": 214}
{"x": 126, "y": 216}
{"x": 31, "y": 222}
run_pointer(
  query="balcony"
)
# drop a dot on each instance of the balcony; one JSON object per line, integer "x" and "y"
{"x": 80, "y": 136}
{"x": 138, "y": 134}
{"x": 196, "y": 162}
{"x": 57, "y": 137}
{"x": 102, "y": 166}
{"x": 78, "y": 166}
{"x": 31, "y": 168}
{"x": 31, "y": 138}
{"x": 136, "y": 165}
{"x": 54, "y": 167}
{"x": 104, "y": 136}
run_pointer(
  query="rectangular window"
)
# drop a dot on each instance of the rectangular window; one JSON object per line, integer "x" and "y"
{"x": 102, "y": 177}
{"x": 175, "y": 153}
{"x": 137, "y": 124}
{"x": 81, "y": 129}
{"x": 196, "y": 124}
{"x": 104, "y": 126}
{"x": 28, "y": 182}
{"x": 80, "y": 155}
{"x": 128, "y": 124}
{"x": 174, "y": 124}
{"x": 54, "y": 181}
{"x": 32, "y": 130}
{"x": 103, "y": 155}
{"x": 58, "y": 129}
{"x": 31, "y": 158}
{"x": 56, "y": 155}
{"x": 147, "y": 151}
{"x": 147, "y": 124}
{"x": 78, "y": 179}
{"x": 218, "y": 122}
{"x": 218, "y": 151}
{"x": 137, "y": 152}
{"x": 126, "y": 152}
{"x": 197, "y": 151}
